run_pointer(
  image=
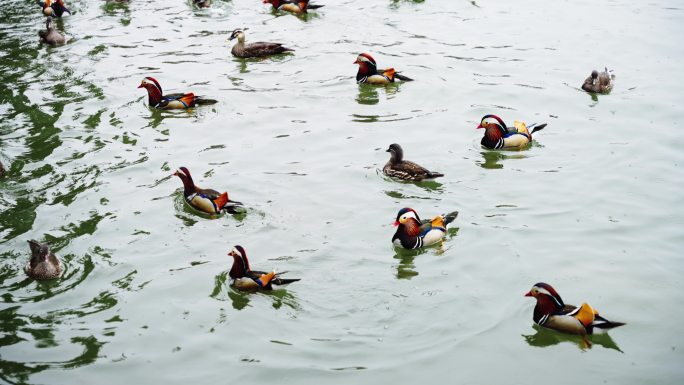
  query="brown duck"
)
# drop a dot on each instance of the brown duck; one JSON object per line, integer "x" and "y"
{"x": 43, "y": 264}
{"x": 50, "y": 35}
{"x": 397, "y": 167}
{"x": 258, "y": 49}
{"x": 599, "y": 82}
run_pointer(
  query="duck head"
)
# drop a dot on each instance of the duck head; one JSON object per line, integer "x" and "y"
{"x": 188, "y": 184}
{"x": 49, "y": 24}
{"x": 367, "y": 65}
{"x": 39, "y": 251}
{"x": 240, "y": 262}
{"x": 396, "y": 153}
{"x": 494, "y": 126}
{"x": 154, "y": 90}
{"x": 548, "y": 300}
{"x": 238, "y": 34}
{"x": 405, "y": 216}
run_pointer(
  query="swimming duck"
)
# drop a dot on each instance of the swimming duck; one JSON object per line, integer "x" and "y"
{"x": 413, "y": 234}
{"x": 171, "y": 101}
{"x": 55, "y": 8}
{"x": 43, "y": 264}
{"x": 2, "y": 170}
{"x": 244, "y": 278}
{"x": 397, "y": 167}
{"x": 369, "y": 73}
{"x": 298, "y": 7}
{"x": 599, "y": 82}
{"x": 50, "y": 35}
{"x": 497, "y": 135}
{"x": 207, "y": 200}
{"x": 258, "y": 49}
{"x": 551, "y": 312}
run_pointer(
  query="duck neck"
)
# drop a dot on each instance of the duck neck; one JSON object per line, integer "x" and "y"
{"x": 239, "y": 269}
{"x": 492, "y": 136}
{"x": 543, "y": 307}
{"x": 154, "y": 95}
{"x": 366, "y": 69}
{"x": 188, "y": 186}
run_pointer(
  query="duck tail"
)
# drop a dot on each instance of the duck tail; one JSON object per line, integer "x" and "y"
{"x": 202, "y": 101}
{"x": 433, "y": 174}
{"x": 402, "y": 77}
{"x": 448, "y": 218}
{"x": 603, "y": 323}
{"x": 314, "y": 6}
{"x": 537, "y": 127}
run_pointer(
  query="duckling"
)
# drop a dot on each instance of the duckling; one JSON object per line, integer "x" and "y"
{"x": 258, "y": 49}
{"x": 369, "y": 73}
{"x": 54, "y": 8}
{"x": 246, "y": 279}
{"x": 397, "y": 167}
{"x": 298, "y": 7}
{"x": 43, "y": 264}
{"x": 50, "y": 35}
{"x": 599, "y": 82}
{"x": 412, "y": 233}
{"x": 497, "y": 135}
{"x": 209, "y": 201}
{"x": 158, "y": 100}
{"x": 551, "y": 312}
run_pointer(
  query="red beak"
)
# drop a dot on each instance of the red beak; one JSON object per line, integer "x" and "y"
{"x": 356, "y": 61}
{"x": 140, "y": 86}
{"x": 480, "y": 126}
{"x": 395, "y": 224}
{"x": 528, "y": 294}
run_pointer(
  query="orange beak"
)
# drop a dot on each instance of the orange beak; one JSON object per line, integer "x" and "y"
{"x": 528, "y": 294}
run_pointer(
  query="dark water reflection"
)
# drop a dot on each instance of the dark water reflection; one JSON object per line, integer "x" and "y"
{"x": 544, "y": 337}
{"x": 222, "y": 291}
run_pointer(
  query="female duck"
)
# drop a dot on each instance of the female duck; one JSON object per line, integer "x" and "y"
{"x": 297, "y": 7}
{"x": 43, "y": 264}
{"x": 412, "y": 233}
{"x": 50, "y": 35}
{"x": 497, "y": 135}
{"x": 599, "y": 82}
{"x": 551, "y": 312}
{"x": 244, "y": 278}
{"x": 258, "y": 49}
{"x": 171, "y": 101}
{"x": 397, "y": 167}
{"x": 369, "y": 73}
{"x": 208, "y": 200}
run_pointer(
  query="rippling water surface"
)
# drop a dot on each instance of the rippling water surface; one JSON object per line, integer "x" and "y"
{"x": 595, "y": 206}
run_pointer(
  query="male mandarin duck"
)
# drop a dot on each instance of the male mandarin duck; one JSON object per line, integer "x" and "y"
{"x": 55, "y": 8}
{"x": 369, "y": 73}
{"x": 397, "y": 167}
{"x": 551, "y": 312}
{"x": 43, "y": 263}
{"x": 244, "y": 278}
{"x": 50, "y": 34}
{"x": 206, "y": 200}
{"x": 497, "y": 135}
{"x": 294, "y": 6}
{"x": 258, "y": 49}
{"x": 171, "y": 101}
{"x": 413, "y": 234}
{"x": 599, "y": 82}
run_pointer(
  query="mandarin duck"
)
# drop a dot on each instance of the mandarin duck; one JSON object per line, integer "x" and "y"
{"x": 551, "y": 312}
{"x": 397, "y": 167}
{"x": 412, "y": 233}
{"x": 258, "y": 49}
{"x": 497, "y": 135}
{"x": 599, "y": 82}
{"x": 43, "y": 263}
{"x": 50, "y": 35}
{"x": 294, "y": 6}
{"x": 208, "y": 201}
{"x": 55, "y": 8}
{"x": 171, "y": 101}
{"x": 369, "y": 73}
{"x": 244, "y": 278}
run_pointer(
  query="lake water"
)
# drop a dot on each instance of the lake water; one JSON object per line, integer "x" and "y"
{"x": 594, "y": 207}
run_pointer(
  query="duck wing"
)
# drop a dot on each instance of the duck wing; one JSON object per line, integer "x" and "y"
{"x": 261, "y": 48}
